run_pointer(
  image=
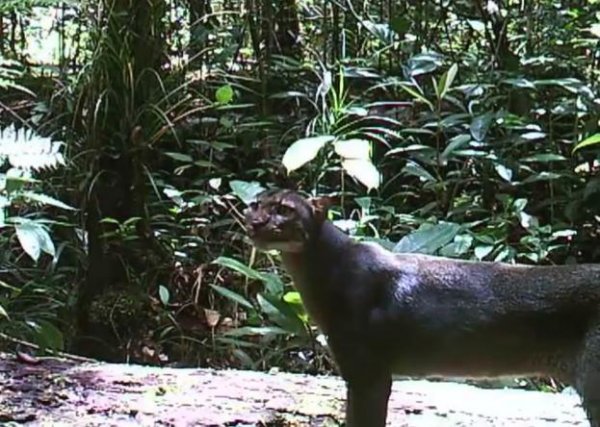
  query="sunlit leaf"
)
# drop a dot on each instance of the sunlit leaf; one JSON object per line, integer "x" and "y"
{"x": 34, "y": 239}
{"x": 447, "y": 80}
{"x": 482, "y": 251}
{"x": 504, "y": 172}
{"x": 256, "y": 331}
{"x": 364, "y": 171}
{"x": 224, "y": 95}
{"x": 588, "y": 142}
{"x": 303, "y": 151}
{"x": 164, "y": 294}
{"x": 353, "y": 149}
{"x": 246, "y": 191}
{"x": 46, "y": 200}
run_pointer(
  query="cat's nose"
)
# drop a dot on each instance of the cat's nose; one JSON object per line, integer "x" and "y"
{"x": 258, "y": 221}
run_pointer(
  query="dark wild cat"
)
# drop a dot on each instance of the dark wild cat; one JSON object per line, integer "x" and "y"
{"x": 417, "y": 315}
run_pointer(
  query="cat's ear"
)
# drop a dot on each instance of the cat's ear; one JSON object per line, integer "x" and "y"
{"x": 320, "y": 207}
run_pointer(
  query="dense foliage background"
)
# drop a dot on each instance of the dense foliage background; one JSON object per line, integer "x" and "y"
{"x": 133, "y": 133}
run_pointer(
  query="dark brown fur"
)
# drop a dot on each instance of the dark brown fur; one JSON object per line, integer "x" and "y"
{"x": 418, "y": 315}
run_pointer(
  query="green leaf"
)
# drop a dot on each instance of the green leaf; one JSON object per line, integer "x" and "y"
{"x": 224, "y": 95}
{"x": 415, "y": 169}
{"x": 353, "y": 149}
{"x": 282, "y": 314}
{"x": 164, "y": 294}
{"x": 273, "y": 283}
{"x": 233, "y": 296}
{"x": 460, "y": 246}
{"x": 293, "y": 297}
{"x": 454, "y": 144}
{"x": 256, "y": 330}
{"x": 46, "y": 200}
{"x": 544, "y": 158}
{"x": 47, "y": 335}
{"x": 246, "y": 191}
{"x": 180, "y": 157}
{"x": 531, "y": 136}
{"x": 588, "y": 142}
{"x": 504, "y": 172}
{"x": 400, "y": 24}
{"x": 482, "y": 251}
{"x": 480, "y": 126}
{"x": 364, "y": 171}
{"x": 236, "y": 265}
{"x": 417, "y": 95}
{"x": 34, "y": 239}
{"x": 447, "y": 80}
{"x": 303, "y": 151}
{"x": 3, "y": 312}
{"x": 428, "y": 238}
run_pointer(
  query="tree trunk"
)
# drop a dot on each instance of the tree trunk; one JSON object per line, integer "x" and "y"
{"x": 114, "y": 126}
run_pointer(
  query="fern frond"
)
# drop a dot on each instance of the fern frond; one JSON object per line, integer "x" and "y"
{"x": 29, "y": 152}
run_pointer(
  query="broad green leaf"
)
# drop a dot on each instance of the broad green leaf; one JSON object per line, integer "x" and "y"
{"x": 417, "y": 95}
{"x": 447, "y": 80}
{"x": 530, "y": 136}
{"x": 353, "y": 149}
{"x": 47, "y": 335}
{"x": 236, "y": 265}
{"x": 528, "y": 221}
{"x": 460, "y": 246}
{"x": 482, "y": 251}
{"x": 303, "y": 151}
{"x": 415, "y": 169}
{"x": 256, "y": 331}
{"x": 480, "y": 126}
{"x": 180, "y": 157}
{"x": 224, "y": 95}
{"x": 400, "y": 24}
{"x": 428, "y": 238}
{"x": 246, "y": 191}
{"x": 542, "y": 176}
{"x": 46, "y": 200}
{"x": 273, "y": 283}
{"x": 282, "y": 314}
{"x": 424, "y": 63}
{"x": 364, "y": 171}
{"x": 410, "y": 148}
{"x": 520, "y": 83}
{"x": 293, "y": 297}
{"x": 504, "y": 172}
{"x": 233, "y": 296}
{"x": 544, "y": 158}
{"x": 455, "y": 143}
{"x": 34, "y": 239}
{"x": 588, "y": 142}
{"x": 164, "y": 294}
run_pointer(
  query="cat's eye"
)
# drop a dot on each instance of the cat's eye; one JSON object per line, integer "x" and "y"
{"x": 284, "y": 210}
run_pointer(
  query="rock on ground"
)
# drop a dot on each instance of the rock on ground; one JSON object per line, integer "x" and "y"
{"x": 63, "y": 393}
